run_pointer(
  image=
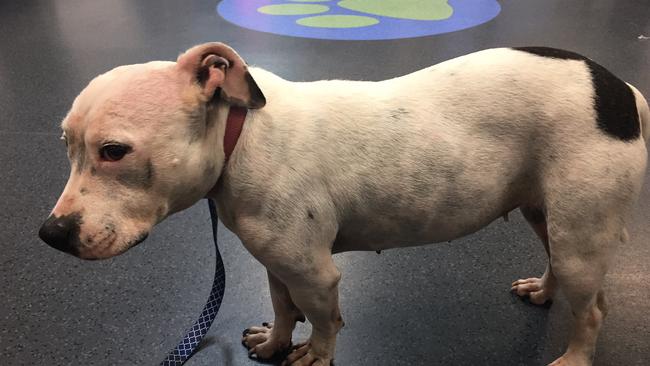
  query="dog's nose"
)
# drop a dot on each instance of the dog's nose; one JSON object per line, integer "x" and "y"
{"x": 61, "y": 232}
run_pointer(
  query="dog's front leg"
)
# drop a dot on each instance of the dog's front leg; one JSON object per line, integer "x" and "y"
{"x": 300, "y": 259}
{"x": 274, "y": 339}
{"x": 315, "y": 292}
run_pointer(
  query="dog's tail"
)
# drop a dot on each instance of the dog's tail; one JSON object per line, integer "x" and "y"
{"x": 644, "y": 112}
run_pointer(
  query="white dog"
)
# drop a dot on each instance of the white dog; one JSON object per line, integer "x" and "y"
{"x": 331, "y": 166}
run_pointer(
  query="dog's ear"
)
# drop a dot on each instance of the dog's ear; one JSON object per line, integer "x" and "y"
{"x": 217, "y": 67}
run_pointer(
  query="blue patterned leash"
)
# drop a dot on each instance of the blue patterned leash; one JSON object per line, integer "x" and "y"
{"x": 190, "y": 342}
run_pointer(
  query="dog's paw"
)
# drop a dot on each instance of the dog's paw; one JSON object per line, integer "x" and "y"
{"x": 534, "y": 289}
{"x": 262, "y": 346}
{"x": 303, "y": 355}
{"x": 571, "y": 359}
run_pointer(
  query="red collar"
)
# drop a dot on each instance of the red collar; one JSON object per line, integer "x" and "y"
{"x": 234, "y": 124}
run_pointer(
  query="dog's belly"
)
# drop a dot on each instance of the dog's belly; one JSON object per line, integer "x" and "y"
{"x": 442, "y": 185}
{"x": 386, "y": 231}
{"x": 375, "y": 235}
{"x": 401, "y": 220}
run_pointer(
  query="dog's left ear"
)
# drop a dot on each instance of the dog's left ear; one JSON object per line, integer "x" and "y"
{"x": 215, "y": 66}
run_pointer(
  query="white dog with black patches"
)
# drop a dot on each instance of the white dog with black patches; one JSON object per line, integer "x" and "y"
{"x": 332, "y": 166}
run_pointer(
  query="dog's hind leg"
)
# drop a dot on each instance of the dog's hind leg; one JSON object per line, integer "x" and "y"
{"x": 588, "y": 197}
{"x": 538, "y": 290}
{"x": 272, "y": 340}
{"x": 581, "y": 247}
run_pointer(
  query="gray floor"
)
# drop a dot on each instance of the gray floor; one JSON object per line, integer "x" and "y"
{"x": 444, "y": 304}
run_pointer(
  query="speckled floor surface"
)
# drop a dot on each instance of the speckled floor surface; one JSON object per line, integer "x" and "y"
{"x": 445, "y": 304}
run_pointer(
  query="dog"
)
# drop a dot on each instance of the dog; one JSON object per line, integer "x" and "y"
{"x": 333, "y": 166}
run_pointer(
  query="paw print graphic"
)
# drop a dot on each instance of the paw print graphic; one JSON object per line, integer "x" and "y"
{"x": 358, "y": 19}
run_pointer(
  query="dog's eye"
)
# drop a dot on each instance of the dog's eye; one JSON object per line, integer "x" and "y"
{"x": 113, "y": 152}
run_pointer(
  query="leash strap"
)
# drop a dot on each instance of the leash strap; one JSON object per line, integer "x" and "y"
{"x": 192, "y": 339}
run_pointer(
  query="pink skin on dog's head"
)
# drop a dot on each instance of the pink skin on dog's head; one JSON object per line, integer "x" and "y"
{"x": 142, "y": 142}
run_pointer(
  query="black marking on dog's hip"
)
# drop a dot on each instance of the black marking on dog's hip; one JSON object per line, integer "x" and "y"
{"x": 614, "y": 101}
{"x": 552, "y": 53}
{"x": 138, "y": 177}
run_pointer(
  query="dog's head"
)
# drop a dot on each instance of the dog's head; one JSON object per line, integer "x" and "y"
{"x": 143, "y": 143}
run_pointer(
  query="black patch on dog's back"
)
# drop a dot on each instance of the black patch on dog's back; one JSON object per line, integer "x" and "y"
{"x": 614, "y": 101}
{"x": 552, "y": 53}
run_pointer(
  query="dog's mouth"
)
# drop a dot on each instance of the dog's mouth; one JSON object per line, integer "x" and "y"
{"x": 93, "y": 257}
{"x": 139, "y": 239}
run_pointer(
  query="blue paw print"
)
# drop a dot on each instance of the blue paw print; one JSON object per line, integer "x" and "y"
{"x": 358, "y": 19}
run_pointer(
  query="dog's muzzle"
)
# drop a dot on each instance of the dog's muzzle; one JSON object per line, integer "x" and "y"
{"x": 62, "y": 233}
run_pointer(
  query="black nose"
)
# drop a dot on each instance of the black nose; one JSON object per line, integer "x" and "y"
{"x": 62, "y": 232}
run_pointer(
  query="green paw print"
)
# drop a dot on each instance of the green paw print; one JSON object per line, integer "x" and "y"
{"x": 400, "y": 9}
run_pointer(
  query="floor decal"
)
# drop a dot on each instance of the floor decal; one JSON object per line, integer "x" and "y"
{"x": 358, "y": 19}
